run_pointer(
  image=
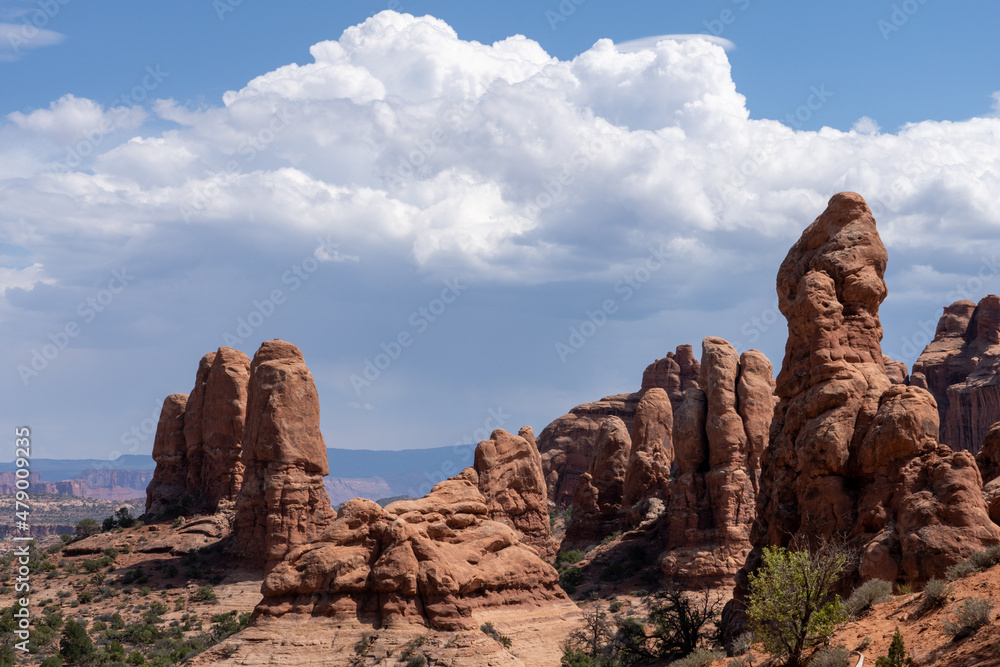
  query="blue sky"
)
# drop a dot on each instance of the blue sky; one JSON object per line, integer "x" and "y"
{"x": 412, "y": 191}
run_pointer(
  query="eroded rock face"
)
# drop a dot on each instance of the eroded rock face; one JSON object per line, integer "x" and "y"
{"x": 988, "y": 460}
{"x": 169, "y": 481}
{"x": 207, "y": 436}
{"x": 597, "y": 500}
{"x": 282, "y": 502}
{"x": 647, "y": 474}
{"x": 433, "y": 561}
{"x": 719, "y": 434}
{"x": 895, "y": 370}
{"x": 961, "y": 368}
{"x": 850, "y": 453}
{"x": 509, "y": 470}
{"x": 567, "y": 444}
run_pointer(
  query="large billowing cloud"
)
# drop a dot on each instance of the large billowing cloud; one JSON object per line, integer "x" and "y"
{"x": 417, "y": 156}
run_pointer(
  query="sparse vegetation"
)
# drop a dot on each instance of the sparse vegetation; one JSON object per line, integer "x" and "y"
{"x": 571, "y": 579}
{"x": 977, "y": 562}
{"x": 204, "y": 593}
{"x": 831, "y": 656}
{"x": 866, "y": 596}
{"x": 897, "y": 653}
{"x": 698, "y": 658}
{"x": 936, "y": 592}
{"x": 972, "y": 614}
{"x": 493, "y": 632}
{"x": 790, "y": 603}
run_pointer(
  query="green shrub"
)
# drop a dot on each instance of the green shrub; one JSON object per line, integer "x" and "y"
{"x": 416, "y": 661}
{"x": 488, "y": 629}
{"x": 866, "y": 596}
{"x": 570, "y": 579}
{"x": 52, "y": 661}
{"x": 897, "y": 654}
{"x": 571, "y": 557}
{"x": 204, "y": 593}
{"x": 145, "y": 590}
{"x": 75, "y": 645}
{"x": 972, "y": 614}
{"x": 790, "y": 604}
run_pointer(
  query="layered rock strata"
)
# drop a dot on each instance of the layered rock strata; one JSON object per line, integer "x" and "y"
{"x": 961, "y": 368}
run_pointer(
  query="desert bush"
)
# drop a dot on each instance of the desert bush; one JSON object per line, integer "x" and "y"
{"x": 866, "y": 596}
{"x": 790, "y": 603}
{"x": 742, "y": 644}
{"x": 52, "y": 661}
{"x": 495, "y": 634}
{"x": 565, "y": 558}
{"x": 936, "y": 592}
{"x": 204, "y": 593}
{"x": 972, "y": 614}
{"x": 698, "y": 658}
{"x": 417, "y": 660}
{"x": 904, "y": 589}
{"x": 833, "y": 656}
{"x": 612, "y": 537}
{"x": 612, "y": 572}
{"x": 977, "y": 562}
{"x": 85, "y": 597}
{"x": 570, "y": 579}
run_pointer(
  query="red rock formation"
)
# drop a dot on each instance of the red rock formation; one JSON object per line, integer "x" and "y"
{"x": 509, "y": 469}
{"x": 597, "y": 501}
{"x": 895, "y": 370}
{"x": 169, "y": 482}
{"x": 849, "y": 452}
{"x": 434, "y": 561}
{"x": 719, "y": 434}
{"x": 567, "y": 444}
{"x": 961, "y": 368}
{"x": 648, "y": 471}
{"x": 282, "y": 502}
{"x": 193, "y": 422}
{"x": 988, "y": 460}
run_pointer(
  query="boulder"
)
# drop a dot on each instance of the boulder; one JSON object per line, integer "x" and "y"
{"x": 509, "y": 469}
